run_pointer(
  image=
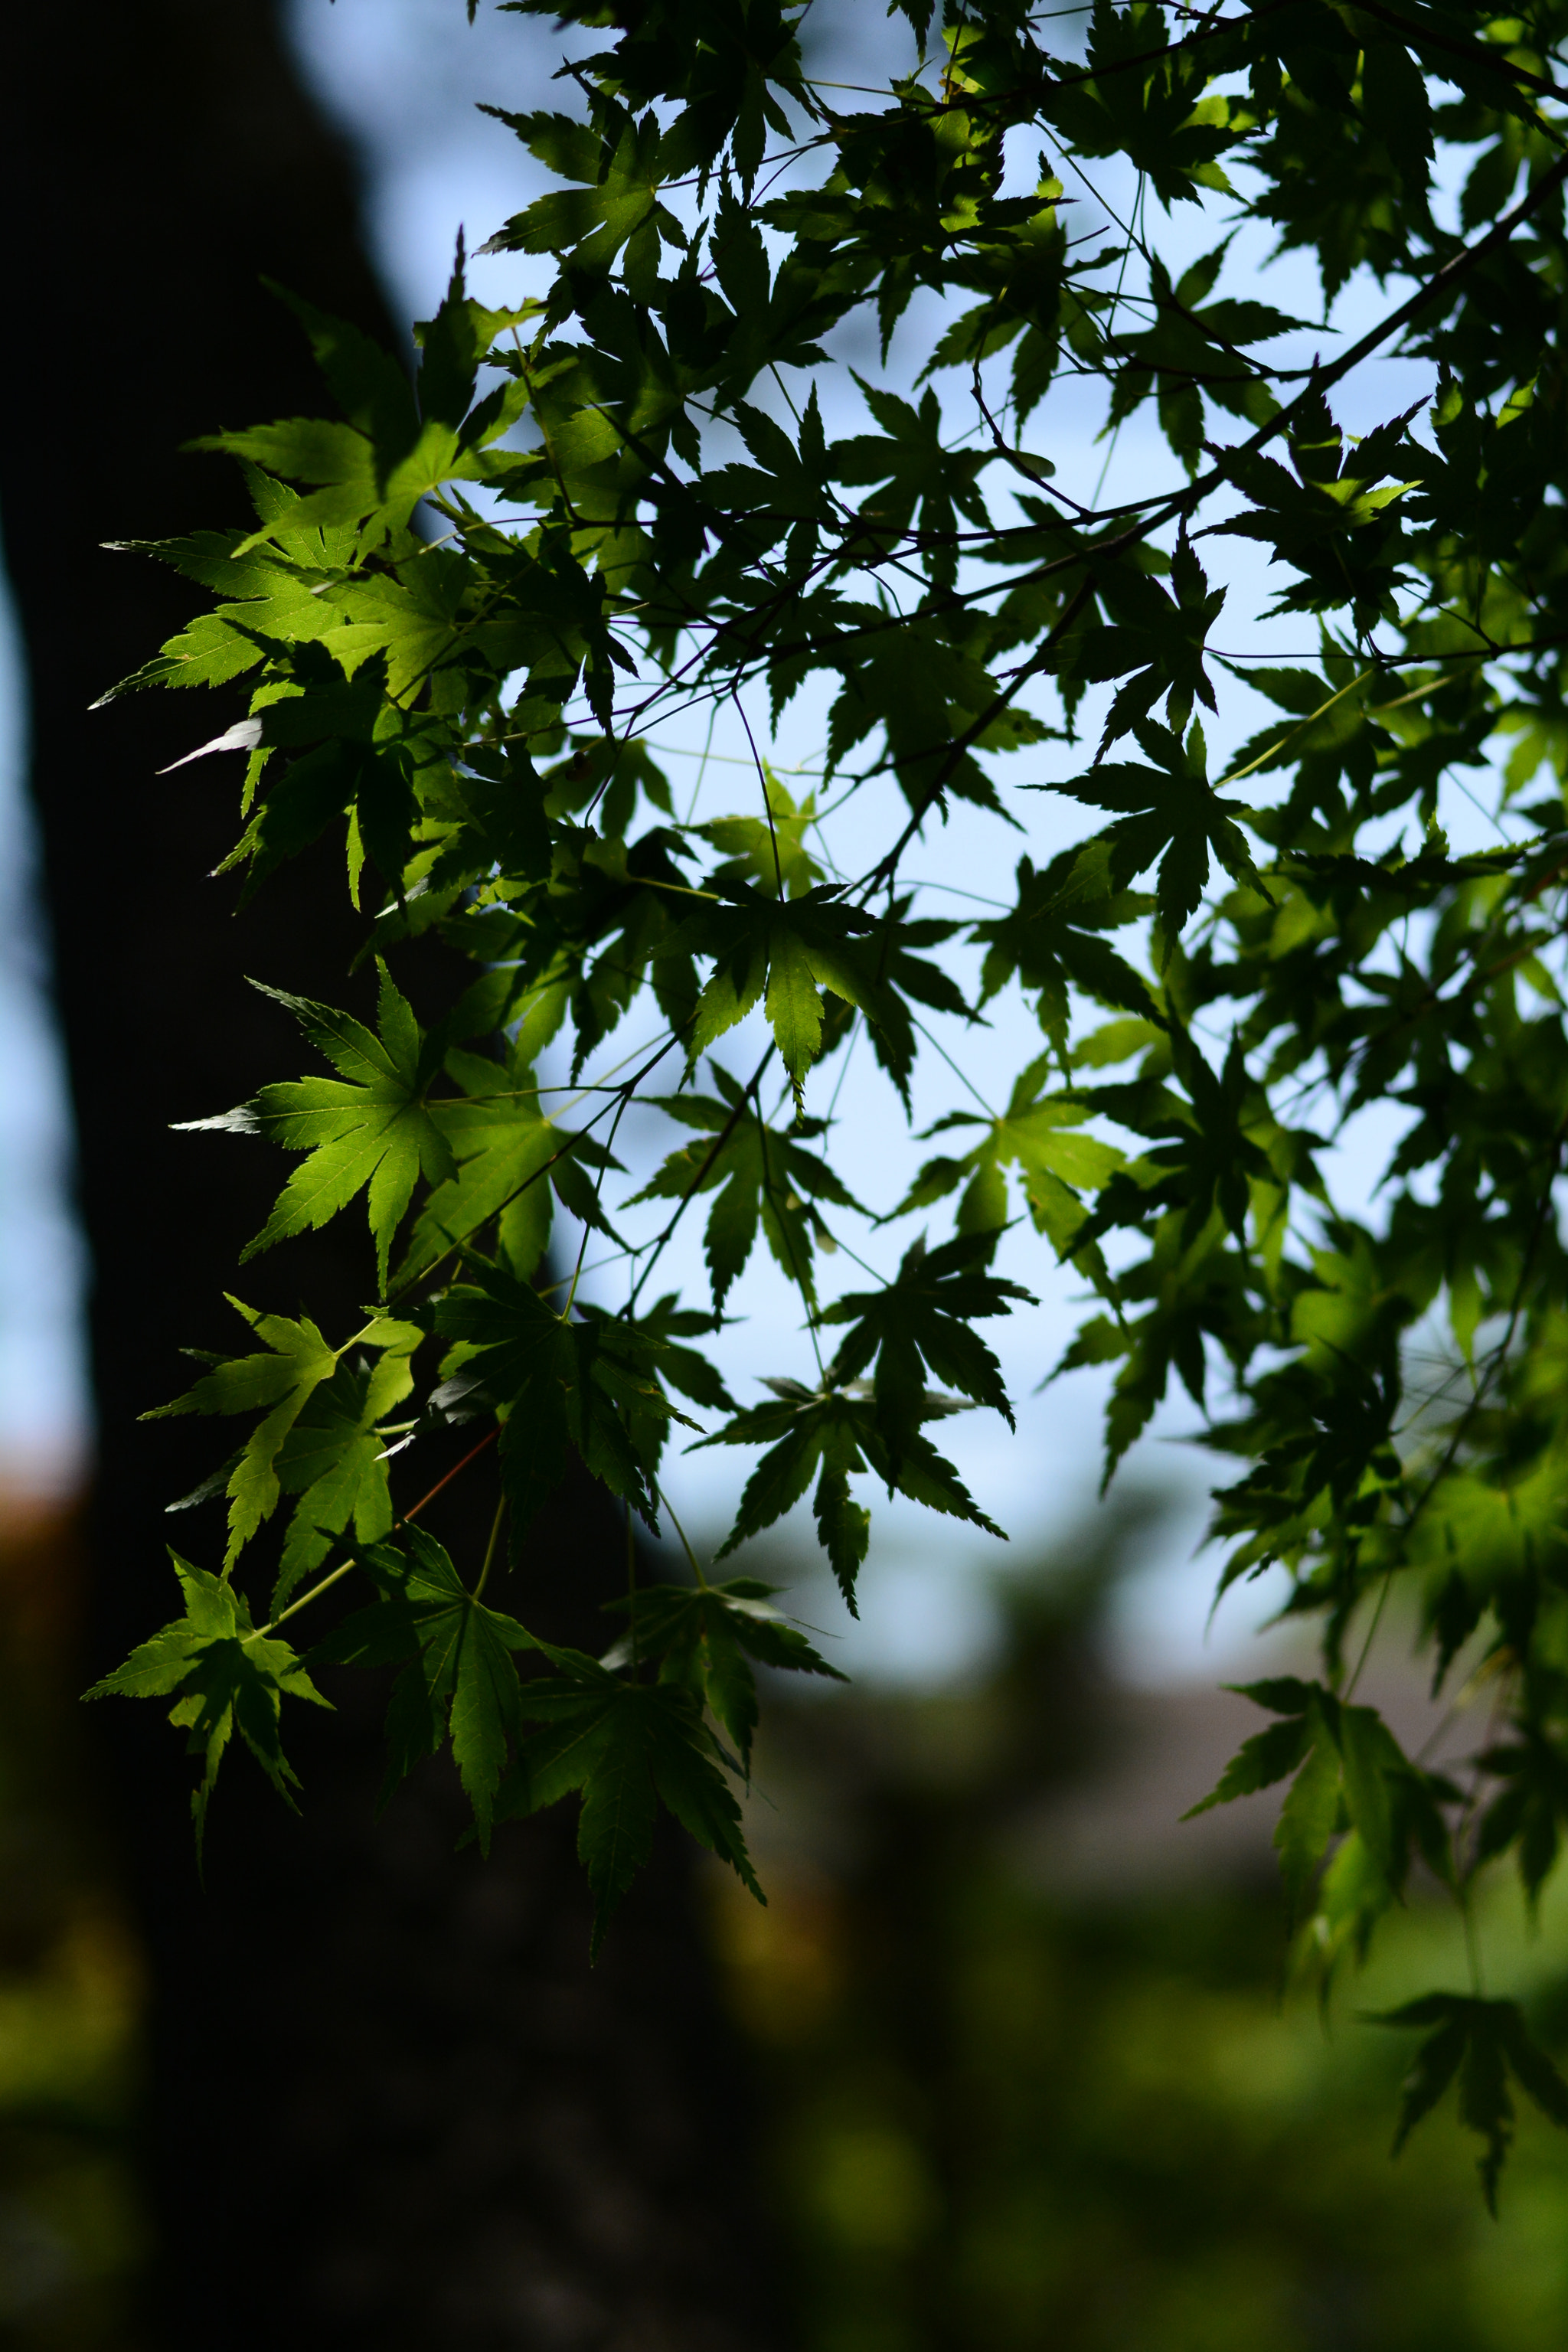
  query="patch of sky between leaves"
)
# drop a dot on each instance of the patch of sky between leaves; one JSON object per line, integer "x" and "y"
{"x": 401, "y": 76}
{"x": 45, "y": 1411}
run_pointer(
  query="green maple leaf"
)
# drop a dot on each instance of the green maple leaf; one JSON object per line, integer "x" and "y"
{"x": 280, "y": 1382}
{"x": 1267, "y": 1756}
{"x": 832, "y": 1434}
{"x": 1482, "y": 2042}
{"x": 758, "y": 1176}
{"x": 355, "y": 750}
{"x": 504, "y": 1148}
{"x": 1041, "y": 941}
{"x": 1037, "y": 1136}
{"x": 287, "y": 592}
{"x": 920, "y": 1324}
{"x": 1173, "y": 815}
{"x": 338, "y": 458}
{"x": 664, "y": 1328}
{"x": 592, "y": 222}
{"x": 1349, "y": 1771}
{"x": 335, "y": 1457}
{"x": 451, "y": 347}
{"x": 706, "y": 1638}
{"x": 916, "y": 472}
{"x": 628, "y": 1746}
{"x": 412, "y": 620}
{"x": 399, "y": 440}
{"x": 458, "y": 1682}
{"x": 374, "y": 1130}
{"x": 592, "y": 1384}
{"x": 1152, "y": 119}
{"x": 890, "y": 975}
{"x": 1210, "y": 1157}
{"x": 317, "y": 1436}
{"x": 761, "y": 850}
{"x": 787, "y": 486}
{"x": 1530, "y": 1808}
{"x": 924, "y": 691}
{"x": 223, "y": 1676}
{"x": 794, "y": 950}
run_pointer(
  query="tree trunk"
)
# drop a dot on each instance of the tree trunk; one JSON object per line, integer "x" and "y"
{"x": 390, "y": 2102}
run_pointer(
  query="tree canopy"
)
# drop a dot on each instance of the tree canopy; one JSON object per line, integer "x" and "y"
{"x": 468, "y": 603}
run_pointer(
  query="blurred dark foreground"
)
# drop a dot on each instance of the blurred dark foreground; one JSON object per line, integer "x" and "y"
{"x": 1029, "y": 2076}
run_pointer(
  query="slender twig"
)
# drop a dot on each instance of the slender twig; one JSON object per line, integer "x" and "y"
{"x": 338, "y": 1573}
{"x": 720, "y": 1140}
{"x": 490, "y": 1547}
{"x": 472, "y": 1454}
{"x": 886, "y": 867}
{"x": 694, "y": 1563}
{"x": 763, "y": 781}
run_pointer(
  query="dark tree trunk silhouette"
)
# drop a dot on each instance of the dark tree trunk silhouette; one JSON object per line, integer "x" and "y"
{"x": 389, "y": 2102}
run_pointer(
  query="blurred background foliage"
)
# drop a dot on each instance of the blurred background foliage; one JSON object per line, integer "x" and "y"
{"x": 74, "y": 2241}
{"x": 1030, "y": 2070}
{"x": 1033, "y": 2075}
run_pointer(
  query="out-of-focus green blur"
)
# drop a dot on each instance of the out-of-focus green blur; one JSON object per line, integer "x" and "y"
{"x": 72, "y": 2236}
{"x": 1033, "y": 2077}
